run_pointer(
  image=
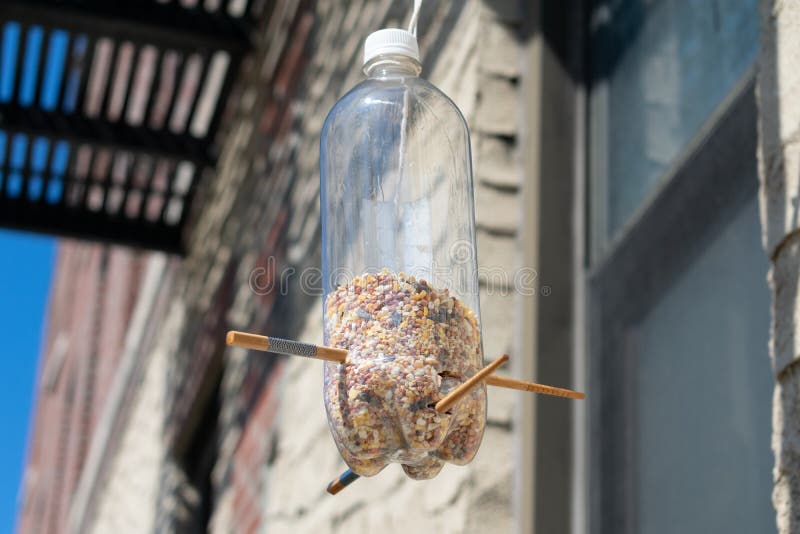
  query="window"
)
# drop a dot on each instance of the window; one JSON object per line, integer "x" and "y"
{"x": 659, "y": 69}
{"x": 678, "y": 305}
{"x": 702, "y": 387}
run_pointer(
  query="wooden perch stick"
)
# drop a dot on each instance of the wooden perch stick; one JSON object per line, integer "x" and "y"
{"x": 297, "y": 348}
{"x": 285, "y": 346}
{"x": 533, "y": 387}
{"x": 451, "y": 398}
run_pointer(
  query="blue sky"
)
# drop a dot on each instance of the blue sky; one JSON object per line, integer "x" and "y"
{"x": 26, "y": 260}
{"x": 25, "y": 271}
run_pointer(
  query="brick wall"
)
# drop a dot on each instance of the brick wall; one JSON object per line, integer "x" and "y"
{"x": 94, "y": 292}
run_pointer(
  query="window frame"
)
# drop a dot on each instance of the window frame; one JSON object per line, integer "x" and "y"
{"x": 711, "y": 179}
{"x": 559, "y": 446}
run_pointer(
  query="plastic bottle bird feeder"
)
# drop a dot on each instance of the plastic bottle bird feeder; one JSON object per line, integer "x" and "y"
{"x": 404, "y": 376}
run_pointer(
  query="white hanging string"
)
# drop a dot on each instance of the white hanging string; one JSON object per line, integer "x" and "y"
{"x": 412, "y": 28}
{"x": 412, "y": 25}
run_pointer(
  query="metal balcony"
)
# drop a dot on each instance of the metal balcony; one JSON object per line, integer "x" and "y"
{"x": 109, "y": 113}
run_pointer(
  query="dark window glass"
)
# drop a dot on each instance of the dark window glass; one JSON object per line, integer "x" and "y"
{"x": 659, "y": 69}
{"x": 703, "y": 388}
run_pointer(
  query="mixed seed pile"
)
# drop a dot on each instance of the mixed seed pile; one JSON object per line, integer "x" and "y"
{"x": 409, "y": 345}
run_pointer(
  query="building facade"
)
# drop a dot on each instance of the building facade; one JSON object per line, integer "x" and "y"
{"x": 616, "y": 179}
{"x": 195, "y": 436}
{"x": 94, "y": 293}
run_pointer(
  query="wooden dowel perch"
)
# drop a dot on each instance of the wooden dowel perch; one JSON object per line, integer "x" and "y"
{"x": 533, "y": 387}
{"x": 321, "y": 352}
{"x": 285, "y": 346}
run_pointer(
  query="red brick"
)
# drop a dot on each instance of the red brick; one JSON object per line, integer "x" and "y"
{"x": 93, "y": 309}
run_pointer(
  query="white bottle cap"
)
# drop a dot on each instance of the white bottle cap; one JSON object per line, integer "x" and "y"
{"x": 391, "y": 41}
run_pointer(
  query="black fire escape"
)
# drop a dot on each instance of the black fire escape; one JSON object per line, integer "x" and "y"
{"x": 109, "y": 112}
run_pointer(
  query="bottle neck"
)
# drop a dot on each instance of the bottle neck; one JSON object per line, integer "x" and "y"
{"x": 392, "y": 66}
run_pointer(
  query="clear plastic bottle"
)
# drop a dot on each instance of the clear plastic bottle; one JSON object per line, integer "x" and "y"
{"x": 399, "y": 268}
